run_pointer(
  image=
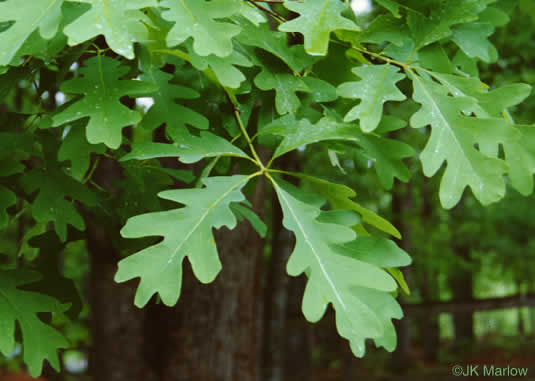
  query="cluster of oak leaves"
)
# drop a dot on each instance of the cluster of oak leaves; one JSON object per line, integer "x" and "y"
{"x": 331, "y": 88}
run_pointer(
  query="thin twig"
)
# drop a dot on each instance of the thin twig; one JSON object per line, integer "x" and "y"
{"x": 267, "y": 10}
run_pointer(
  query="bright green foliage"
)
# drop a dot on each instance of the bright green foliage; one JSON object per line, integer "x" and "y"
{"x": 340, "y": 198}
{"x": 301, "y": 132}
{"x": 234, "y": 88}
{"x": 355, "y": 287}
{"x": 472, "y": 39}
{"x": 377, "y": 86}
{"x": 274, "y": 42}
{"x": 121, "y": 23}
{"x": 391, "y": 5}
{"x": 285, "y": 85}
{"x": 197, "y": 19}
{"x": 318, "y": 18}
{"x": 165, "y": 108}
{"x": 18, "y": 306}
{"x": 27, "y": 16}
{"x": 224, "y": 69}
{"x": 426, "y": 30}
{"x": 187, "y": 232}
{"x": 190, "y": 149}
{"x": 452, "y": 140}
{"x": 102, "y": 90}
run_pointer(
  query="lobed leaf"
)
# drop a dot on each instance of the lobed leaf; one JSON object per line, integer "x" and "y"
{"x": 27, "y": 16}
{"x": 197, "y": 19}
{"x": 40, "y": 341}
{"x": 358, "y": 290}
{"x": 121, "y": 22}
{"x": 377, "y": 86}
{"x": 101, "y": 90}
{"x": 187, "y": 232}
{"x": 317, "y": 19}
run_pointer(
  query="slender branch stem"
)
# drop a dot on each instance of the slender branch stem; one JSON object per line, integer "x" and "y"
{"x": 267, "y": 10}
{"x": 237, "y": 113}
{"x": 93, "y": 168}
{"x": 206, "y": 171}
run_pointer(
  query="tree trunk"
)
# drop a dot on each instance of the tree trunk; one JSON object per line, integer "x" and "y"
{"x": 299, "y": 339}
{"x": 117, "y": 326}
{"x": 287, "y": 336}
{"x": 276, "y": 298}
{"x": 214, "y": 331}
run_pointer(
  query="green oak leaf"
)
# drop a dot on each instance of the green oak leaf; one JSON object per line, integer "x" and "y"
{"x": 320, "y": 90}
{"x": 190, "y": 149}
{"x": 317, "y": 19}
{"x": 7, "y": 199}
{"x": 51, "y": 204}
{"x": 121, "y": 22}
{"x": 276, "y": 43}
{"x": 27, "y": 16}
{"x": 77, "y": 150}
{"x": 387, "y": 154}
{"x": 53, "y": 282}
{"x": 187, "y": 232}
{"x": 358, "y": 291}
{"x": 285, "y": 85}
{"x": 377, "y": 86}
{"x": 251, "y": 13}
{"x": 391, "y": 6}
{"x": 426, "y": 30}
{"x": 340, "y": 196}
{"x": 40, "y": 341}
{"x": 528, "y": 7}
{"x": 223, "y": 67}
{"x": 242, "y": 212}
{"x": 385, "y": 28}
{"x": 489, "y": 103}
{"x": 473, "y": 40}
{"x": 165, "y": 108}
{"x": 517, "y": 140}
{"x": 520, "y": 155}
{"x": 452, "y": 140}
{"x": 301, "y": 132}
{"x": 197, "y": 19}
{"x": 101, "y": 92}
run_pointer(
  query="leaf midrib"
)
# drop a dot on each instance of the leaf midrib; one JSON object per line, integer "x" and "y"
{"x": 316, "y": 255}
{"x": 450, "y": 127}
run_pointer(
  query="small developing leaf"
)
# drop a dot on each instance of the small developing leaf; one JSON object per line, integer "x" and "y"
{"x": 243, "y": 212}
{"x": 377, "y": 86}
